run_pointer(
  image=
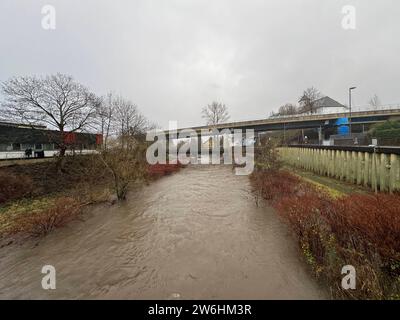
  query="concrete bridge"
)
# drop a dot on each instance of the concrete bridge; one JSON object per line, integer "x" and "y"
{"x": 302, "y": 122}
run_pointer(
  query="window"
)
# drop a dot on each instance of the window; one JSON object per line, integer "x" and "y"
{"x": 25, "y": 146}
{"x": 48, "y": 146}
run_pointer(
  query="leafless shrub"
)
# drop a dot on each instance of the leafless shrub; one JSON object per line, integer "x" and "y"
{"x": 42, "y": 222}
{"x": 127, "y": 164}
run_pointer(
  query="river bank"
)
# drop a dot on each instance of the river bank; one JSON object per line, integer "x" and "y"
{"x": 195, "y": 234}
{"x": 35, "y": 198}
{"x": 335, "y": 228}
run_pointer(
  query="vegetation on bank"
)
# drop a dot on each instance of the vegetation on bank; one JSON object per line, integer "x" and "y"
{"x": 35, "y": 198}
{"x": 37, "y": 217}
{"x": 362, "y": 230}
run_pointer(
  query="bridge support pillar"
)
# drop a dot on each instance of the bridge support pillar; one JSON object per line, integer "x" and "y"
{"x": 199, "y": 144}
{"x": 258, "y": 138}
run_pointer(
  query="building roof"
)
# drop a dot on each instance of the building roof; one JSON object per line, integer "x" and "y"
{"x": 21, "y": 125}
{"x": 327, "y": 102}
{"x": 324, "y": 102}
{"x": 14, "y": 133}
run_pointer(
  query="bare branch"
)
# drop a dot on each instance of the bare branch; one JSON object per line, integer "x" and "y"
{"x": 215, "y": 113}
{"x": 307, "y": 100}
{"x": 56, "y": 100}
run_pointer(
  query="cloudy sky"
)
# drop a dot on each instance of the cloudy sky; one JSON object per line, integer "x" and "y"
{"x": 172, "y": 57}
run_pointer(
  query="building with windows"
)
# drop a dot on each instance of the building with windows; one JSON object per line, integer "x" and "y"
{"x": 16, "y": 139}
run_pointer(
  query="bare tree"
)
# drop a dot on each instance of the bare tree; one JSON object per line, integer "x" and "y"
{"x": 307, "y": 100}
{"x": 374, "y": 102}
{"x": 128, "y": 121}
{"x": 119, "y": 117}
{"x": 288, "y": 109}
{"x": 105, "y": 113}
{"x": 55, "y": 100}
{"x": 215, "y": 113}
{"x": 125, "y": 157}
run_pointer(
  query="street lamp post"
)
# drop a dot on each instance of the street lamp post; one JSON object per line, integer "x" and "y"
{"x": 350, "y": 89}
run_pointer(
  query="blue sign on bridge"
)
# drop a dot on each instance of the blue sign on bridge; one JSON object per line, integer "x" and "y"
{"x": 343, "y": 126}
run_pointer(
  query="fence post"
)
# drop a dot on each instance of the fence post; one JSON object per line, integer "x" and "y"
{"x": 374, "y": 181}
{"x": 331, "y": 162}
{"x": 383, "y": 173}
{"x": 342, "y": 165}
{"x": 348, "y": 166}
{"x": 395, "y": 172}
{"x": 360, "y": 162}
{"x": 367, "y": 169}
{"x": 337, "y": 164}
{"x": 353, "y": 178}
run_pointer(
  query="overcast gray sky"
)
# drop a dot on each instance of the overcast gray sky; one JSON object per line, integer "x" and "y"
{"x": 172, "y": 57}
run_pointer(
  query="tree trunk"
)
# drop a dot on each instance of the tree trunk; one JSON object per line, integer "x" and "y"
{"x": 63, "y": 148}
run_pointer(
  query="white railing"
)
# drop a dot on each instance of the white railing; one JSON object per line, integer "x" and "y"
{"x": 371, "y": 108}
{"x": 12, "y": 155}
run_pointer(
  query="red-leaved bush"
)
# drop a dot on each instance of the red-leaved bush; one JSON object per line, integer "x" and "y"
{"x": 274, "y": 184}
{"x": 373, "y": 218}
{"x": 358, "y": 229}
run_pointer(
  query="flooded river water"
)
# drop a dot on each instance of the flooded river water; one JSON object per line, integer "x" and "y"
{"x": 196, "y": 234}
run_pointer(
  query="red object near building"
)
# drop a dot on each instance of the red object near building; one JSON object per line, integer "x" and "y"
{"x": 99, "y": 139}
{"x": 69, "y": 137}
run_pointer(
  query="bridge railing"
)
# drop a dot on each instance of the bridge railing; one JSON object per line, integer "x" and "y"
{"x": 355, "y": 110}
{"x": 374, "y": 108}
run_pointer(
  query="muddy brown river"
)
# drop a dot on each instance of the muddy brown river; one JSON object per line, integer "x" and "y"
{"x": 197, "y": 234}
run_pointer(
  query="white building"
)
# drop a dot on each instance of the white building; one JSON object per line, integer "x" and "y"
{"x": 325, "y": 105}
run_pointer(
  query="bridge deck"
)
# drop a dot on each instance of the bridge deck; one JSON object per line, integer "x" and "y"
{"x": 298, "y": 122}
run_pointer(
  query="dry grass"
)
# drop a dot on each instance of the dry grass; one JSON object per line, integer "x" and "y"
{"x": 43, "y": 218}
{"x": 14, "y": 186}
{"x": 78, "y": 170}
